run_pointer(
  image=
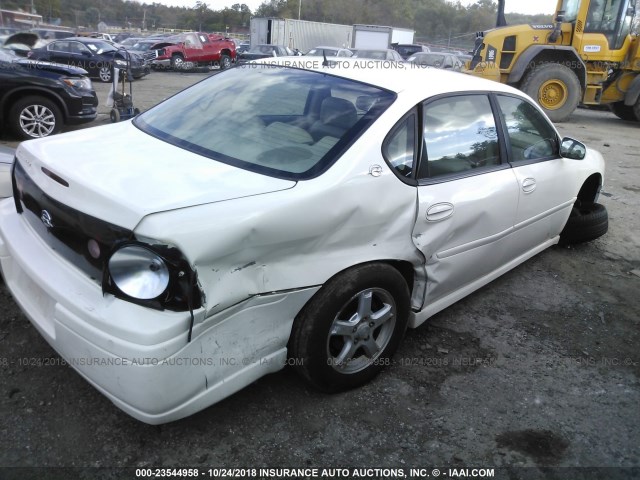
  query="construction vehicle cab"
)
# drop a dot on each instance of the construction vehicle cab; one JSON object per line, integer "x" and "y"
{"x": 587, "y": 56}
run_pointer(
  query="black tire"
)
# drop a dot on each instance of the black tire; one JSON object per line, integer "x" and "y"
{"x": 35, "y": 117}
{"x": 342, "y": 304}
{"x": 636, "y": 109}
{"x": 555, "y": 88}
{"x": 114, "y": 115}
{"x": 624, "y": 112}
{"x": 225, "y": 62}
{"x": 177, "y": 61}
{"x": 586, "y": 222}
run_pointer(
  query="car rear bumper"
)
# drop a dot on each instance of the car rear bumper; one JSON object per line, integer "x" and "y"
{"x": 153, "y": 374}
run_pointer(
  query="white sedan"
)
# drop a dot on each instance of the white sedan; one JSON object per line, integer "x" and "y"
{"x": 298, "y": 213}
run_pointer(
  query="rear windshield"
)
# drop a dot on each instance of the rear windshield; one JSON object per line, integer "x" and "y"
{"x": 282, "y": 122}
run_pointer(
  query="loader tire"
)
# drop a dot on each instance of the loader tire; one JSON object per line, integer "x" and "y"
{"x": 624, "y": 112}
{"x": 555, "y": 88}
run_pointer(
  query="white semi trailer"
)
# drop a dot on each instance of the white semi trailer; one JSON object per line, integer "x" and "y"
{"x": 300, "y": 34}
{"x": 380, "y": 36}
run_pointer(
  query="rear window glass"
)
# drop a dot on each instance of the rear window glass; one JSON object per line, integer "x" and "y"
{"x": 282, "y": 122}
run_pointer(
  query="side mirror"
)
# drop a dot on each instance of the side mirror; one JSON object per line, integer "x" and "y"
{"x": 86, "y": 53}
{"x": 572, "y": 149}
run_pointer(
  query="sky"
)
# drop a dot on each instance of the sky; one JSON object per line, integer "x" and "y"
{"x": 519, "y": 6}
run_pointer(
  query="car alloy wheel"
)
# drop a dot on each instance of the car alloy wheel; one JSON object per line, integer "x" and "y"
{"x": 347, "y": 333}
{"x": 361, "y": 330}
{"x": 105, "y": 74}
{"x": 35, "y": 117}
{"x": 37, "y": 121}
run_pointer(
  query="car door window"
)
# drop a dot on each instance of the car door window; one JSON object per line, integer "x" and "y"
{"x": 529, "y": 134}
{"x": 399, "y": 147}
{"x": 59, "y": 47}
{"x": 460, "y": 136}
{"x": 78, "y": 48}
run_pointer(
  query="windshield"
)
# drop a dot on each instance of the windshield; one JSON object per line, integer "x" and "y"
{"x": 98, "y": 46}
{"x": 142, "y": 46}
{"x": 278, "y": 121}
{"x": 263, "y": 49}
{"x": 374, "y": 54}
{"x": 570, "y": 8}
{"x": 319, "y": 52}
{"x": 431, "y": 60}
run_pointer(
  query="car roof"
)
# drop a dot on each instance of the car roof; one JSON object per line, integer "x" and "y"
{"x": 393, "y": 75}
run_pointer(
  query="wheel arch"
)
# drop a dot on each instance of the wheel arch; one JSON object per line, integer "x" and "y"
{"x": 17, "y": 94}
{"x": 413, "y": 276}
{"x": 590, "y": 189}
{"x": 541, "y": 54}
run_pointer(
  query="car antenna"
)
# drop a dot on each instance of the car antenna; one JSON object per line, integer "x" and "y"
{"x": 325, "y": 62}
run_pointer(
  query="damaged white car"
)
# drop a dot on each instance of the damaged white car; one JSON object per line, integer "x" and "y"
{"x": 275, "y": 215}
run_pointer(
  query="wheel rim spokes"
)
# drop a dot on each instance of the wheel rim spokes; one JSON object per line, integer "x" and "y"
{"x": 361, "y": 330}
{"x": 37, "y": 121}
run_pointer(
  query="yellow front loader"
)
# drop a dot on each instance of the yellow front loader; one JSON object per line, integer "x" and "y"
{"x": 587, "y": 56}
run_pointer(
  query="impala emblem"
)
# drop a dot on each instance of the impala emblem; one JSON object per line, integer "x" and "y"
{"x": 46, "y": 219}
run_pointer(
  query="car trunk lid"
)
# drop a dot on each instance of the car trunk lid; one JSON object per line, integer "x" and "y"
{"x": 120, "y": 174}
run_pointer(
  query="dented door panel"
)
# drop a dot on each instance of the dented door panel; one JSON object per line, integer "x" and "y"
{"x": 459, "y": 226}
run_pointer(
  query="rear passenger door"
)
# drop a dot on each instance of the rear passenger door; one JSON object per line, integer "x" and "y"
{"x": 543, "y": 176}
{"x": 467, "y": 194}
{"x": 58, "y": 52}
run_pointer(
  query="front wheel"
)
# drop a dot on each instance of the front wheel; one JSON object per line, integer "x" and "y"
{"x": 586, "y": 222}
{"x": 556, "y": 89}
{"x": 177, "y": 62}
{"x": 225, "y": 62}
{"x": 350, "y": 329}
{"x": 35, "y": 117}
{"x": 114, "y": 115}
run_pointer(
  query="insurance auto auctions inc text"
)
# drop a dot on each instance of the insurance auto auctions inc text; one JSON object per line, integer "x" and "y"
{"x": 375, "y": 473}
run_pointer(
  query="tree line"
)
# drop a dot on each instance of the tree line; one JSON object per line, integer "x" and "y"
{"x": 435, "y": 21}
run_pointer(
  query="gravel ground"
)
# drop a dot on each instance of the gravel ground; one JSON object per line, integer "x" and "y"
{"x": 538, "y": 369}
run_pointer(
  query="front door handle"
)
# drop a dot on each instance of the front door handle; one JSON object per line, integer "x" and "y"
{"x": 528, "y": 185}
{"x": 439, "y": 211}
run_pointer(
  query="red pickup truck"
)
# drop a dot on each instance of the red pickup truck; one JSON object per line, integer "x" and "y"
{"x": 195, "y": 48}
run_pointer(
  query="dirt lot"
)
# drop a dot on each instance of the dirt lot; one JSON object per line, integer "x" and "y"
{"x": 539, "y": 369}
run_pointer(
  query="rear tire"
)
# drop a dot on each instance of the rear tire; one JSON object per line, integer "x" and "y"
{"x": 586, "y": 222}
{"x": 555, "y": 88}
{"x": 636, "y": 109}
{"x": 105, "y": 74}
{"x": 349, "y": 330}
{"x": 624, "y": 112}
{"x": 114, "y": 115}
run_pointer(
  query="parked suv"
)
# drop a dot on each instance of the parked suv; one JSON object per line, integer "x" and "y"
{"x": 38, "y": 98}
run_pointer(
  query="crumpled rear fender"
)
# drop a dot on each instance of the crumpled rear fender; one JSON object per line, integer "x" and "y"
{"x": 295, "y": 238}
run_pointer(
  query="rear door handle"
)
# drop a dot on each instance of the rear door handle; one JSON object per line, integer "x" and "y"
{"x": 528, "y": 185}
